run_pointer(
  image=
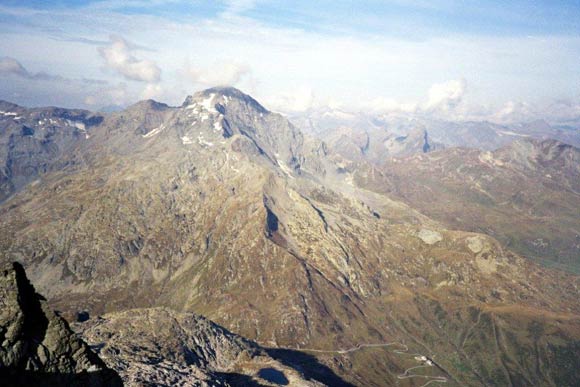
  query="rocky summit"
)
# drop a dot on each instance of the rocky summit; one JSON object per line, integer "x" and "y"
{"x": 37, "y": 346}
{"x": 321, "y": 255}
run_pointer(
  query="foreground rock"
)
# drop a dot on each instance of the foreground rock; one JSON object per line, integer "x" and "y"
{"x": 158, "y": 346}
{"x": 37, "y": 346}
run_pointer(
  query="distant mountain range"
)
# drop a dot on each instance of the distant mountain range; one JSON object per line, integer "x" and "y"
{"x": 328, "y": 125}
{"x": 370, "y": 253}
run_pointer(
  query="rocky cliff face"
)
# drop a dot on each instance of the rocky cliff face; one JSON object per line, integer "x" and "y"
{"x": 37, "y": 346}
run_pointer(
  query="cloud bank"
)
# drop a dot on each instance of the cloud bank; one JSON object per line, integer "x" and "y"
{"x": 10, "y": 66}
{"x": 446, "y": 96}
{"x": 118, "y": 56}
{"x": 291, "y": 58}
{"x": 221, "y": 73}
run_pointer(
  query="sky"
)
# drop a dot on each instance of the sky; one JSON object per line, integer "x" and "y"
{"x": 502, "y": 61}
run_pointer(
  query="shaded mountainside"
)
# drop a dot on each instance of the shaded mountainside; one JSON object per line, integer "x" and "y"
{"x": 527, "y": 194}
{"x": 40, "y": 140}
{"x": 158, "y": 346}
{"x": 37, "y": 346}
{"x": 222, "y": 208}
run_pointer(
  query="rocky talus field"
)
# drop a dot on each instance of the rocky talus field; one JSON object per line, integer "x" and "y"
{"x": 309, "y": 266}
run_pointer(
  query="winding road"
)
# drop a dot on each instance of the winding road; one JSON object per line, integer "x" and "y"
{"x": 404, "y": 351}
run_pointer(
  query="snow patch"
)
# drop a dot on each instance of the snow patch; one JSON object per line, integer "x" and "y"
{"x": 186, "y": 140}
{"x": 203, "y": 142}
{"x": 77, "y": 124}
{"x": 507, "y": 132}
{"x": 208, "y": 104}
{"x": 349, "y": 179}
{"x": 217, "y": 126}
{"x": 339, "y": 114}
{"x": 154, "y": 131}
{"x": 285, "y": 168}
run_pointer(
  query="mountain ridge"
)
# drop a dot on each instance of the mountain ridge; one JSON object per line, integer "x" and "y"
{"x": 179, "y": 208}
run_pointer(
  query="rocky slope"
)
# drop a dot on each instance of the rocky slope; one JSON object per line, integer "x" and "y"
{"x": 158, "y": 346}
{"x": 35, "y": 141}
{"x": 527, "y": 194}
{"x": 222, "y": 208}
{"x": 37, "y": 346}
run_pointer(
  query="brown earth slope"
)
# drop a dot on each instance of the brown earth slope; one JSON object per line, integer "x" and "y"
{"x": 527, "y": 195}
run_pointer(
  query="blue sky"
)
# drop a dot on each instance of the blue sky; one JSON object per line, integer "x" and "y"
{"x": 458, "y": 59}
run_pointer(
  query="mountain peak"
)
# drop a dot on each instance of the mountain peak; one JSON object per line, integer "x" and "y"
{"x": 224, "y": 94}
{"x": 148, "y": 104}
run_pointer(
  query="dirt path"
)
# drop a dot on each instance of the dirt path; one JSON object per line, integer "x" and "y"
{"x": 404, "y": 351}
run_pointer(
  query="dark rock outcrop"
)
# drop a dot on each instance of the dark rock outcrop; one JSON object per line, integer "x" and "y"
{"x": 162, "y": 347}
{"x": 37, "y": 347}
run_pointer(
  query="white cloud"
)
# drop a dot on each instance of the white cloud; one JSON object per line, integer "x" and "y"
{"x": 10, "y": 66}
{"x": 386, "y": 72}
{"x": 391, "y": 105}
{"x": 152, "y": 91}
{"x": 563, "y": 111}
{"x": 298, "y": 100}
{"x": 445, "y": 96}
{"x": 513, "y": 111}
{"x": 442, "y": 99}
{"x": 559, "y": 112}
{"x": 119, "y": 57}
{"x": 90, "y": 100}
{"x": 221, "y": 73}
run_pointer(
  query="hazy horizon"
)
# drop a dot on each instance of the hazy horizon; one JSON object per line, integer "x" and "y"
{"x": 499, "y": 61}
